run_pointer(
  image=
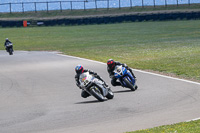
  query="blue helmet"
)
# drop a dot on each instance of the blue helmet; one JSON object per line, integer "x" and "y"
{"x": 79, "y": 69}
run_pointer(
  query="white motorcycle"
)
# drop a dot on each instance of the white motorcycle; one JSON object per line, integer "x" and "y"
{"x": 95, "y": 87}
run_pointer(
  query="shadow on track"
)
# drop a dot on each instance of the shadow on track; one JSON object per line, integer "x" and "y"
{"x": 87, "y": 102}
{"x": 123, "y": 91}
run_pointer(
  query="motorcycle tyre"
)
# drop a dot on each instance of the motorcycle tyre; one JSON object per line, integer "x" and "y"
{"x": 10, "y": 51}
{"x": 129, "y": 85}
{"x": 110, "y": 94}
{"x": 136, "y": 87}
{"x": 98, "y": 96}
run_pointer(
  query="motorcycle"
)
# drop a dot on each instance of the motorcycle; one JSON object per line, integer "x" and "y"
{"x": 125, "y": 77}
{"x": 9, "y": 48}
{"x": 95, "y": 87}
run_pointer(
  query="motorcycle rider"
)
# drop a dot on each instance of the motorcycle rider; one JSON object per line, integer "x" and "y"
{"x": 111, "y": 67}
{"x": 79, "y": 70}
{"x": 7, "y": 41}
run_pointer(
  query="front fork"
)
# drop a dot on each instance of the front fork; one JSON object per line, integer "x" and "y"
{"x": 129, "y": 75}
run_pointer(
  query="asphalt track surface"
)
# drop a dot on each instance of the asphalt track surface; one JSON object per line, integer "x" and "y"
{"x": 38, "y": 95}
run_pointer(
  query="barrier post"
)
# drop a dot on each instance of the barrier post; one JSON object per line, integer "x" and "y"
{"x": 119, "y": 4}
{"x": 84, "y": 6}
{"x": 47, "y": 6}
{"x": 107, "y": 4}
{"x": 22, "y": 7}
{"x": 35, "y": 7}
{"x": 96, "y": 4}
{"x": 10, "y": 8}
{"x": 71, "y": 5}
{"x": 60, "y": 6}
{"x": 142, "y": 3}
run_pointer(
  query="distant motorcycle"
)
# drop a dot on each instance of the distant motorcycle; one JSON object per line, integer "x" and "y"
{"x": 95, "y": 87}
{"x": 9, "y": 48}
{"x": 125, "y": 77}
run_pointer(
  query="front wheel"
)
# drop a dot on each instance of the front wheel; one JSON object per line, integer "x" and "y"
{"x": 10, "y": 51}
{"x": 129, "y": 84}
{"x": 97, "y": 94}
{"x": 110, "y": 94}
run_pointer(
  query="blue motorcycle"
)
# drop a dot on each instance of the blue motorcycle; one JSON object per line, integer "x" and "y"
{"x": 125, "y": 77}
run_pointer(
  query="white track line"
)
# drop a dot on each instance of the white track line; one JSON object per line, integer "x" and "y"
{"x": 184, "y": 80}
{"x": 194, "y": 119}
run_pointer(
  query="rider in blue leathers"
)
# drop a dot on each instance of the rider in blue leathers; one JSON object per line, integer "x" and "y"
{"x": 111, "y": 67}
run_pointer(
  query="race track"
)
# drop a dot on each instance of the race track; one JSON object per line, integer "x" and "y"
{"x": 38, "y": 95}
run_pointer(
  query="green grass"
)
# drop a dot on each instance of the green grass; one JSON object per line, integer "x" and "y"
{"x": 183, "y": 127}
{"x": 171, "y": 47}
{"x": 104, "y": 11}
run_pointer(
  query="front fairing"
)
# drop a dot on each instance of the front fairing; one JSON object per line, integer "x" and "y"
{"x": 85, "y": 79}
{"x": 125, "y": 74}
{"x": 100, "y": 85}
{"x": 119, "y": 72}
{"x": 9, "y": 45}
{"x": 87, "y": 82}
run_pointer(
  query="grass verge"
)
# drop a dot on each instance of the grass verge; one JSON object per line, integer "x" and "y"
{"x": 183, "y": 127}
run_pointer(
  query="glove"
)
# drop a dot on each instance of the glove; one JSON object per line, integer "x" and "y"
{"x": 95, "y": 74}
{"x": 125, "y": 66}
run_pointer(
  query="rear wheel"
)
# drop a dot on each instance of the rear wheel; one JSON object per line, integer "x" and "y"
{"x": 97, "y": 94}
{"x": 129, "y": 84}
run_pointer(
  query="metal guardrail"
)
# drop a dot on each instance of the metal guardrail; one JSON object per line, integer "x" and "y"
{"x": 36, "y": 3}
{"x": 11, "y": 6}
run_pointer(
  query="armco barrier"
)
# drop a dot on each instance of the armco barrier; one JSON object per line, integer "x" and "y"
{"x": 108, "y": 19}
{"x": 11, "y": 23}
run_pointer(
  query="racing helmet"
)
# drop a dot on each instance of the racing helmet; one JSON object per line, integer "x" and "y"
{"x": 79, "y": 69}
{"x": 6, "y": 39}
{"x": 111, "y": 63}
